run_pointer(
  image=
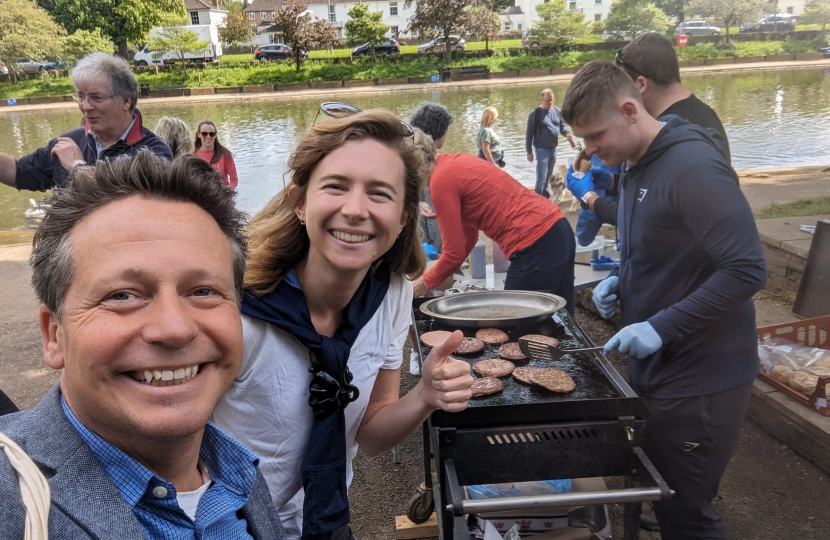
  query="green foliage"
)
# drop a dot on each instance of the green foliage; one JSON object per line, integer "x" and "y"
{"x": 702, "y": 51}
{"x": 634, "y": 17}
{"x": 598, "y": 28}
{"x": 119, "y": 20}
{"x": 673, "y": 8}
{"x": 81, "y": 43}
{"x": 438, "y": 18}
{"x": 482, "y": 22}
{"x": 558, "y": 25}
{"x": 803, "y": 207}
{"x": 236, "y": 29}
{"x": 26, "y": 31}
{"x": 817, "y": 12}
{"x": 364, "y": 26}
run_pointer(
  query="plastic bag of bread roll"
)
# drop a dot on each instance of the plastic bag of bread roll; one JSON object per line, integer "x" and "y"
{"x": 582, "y": 163}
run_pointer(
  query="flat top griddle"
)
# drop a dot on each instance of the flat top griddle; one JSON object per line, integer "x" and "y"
{"x": 600, "y": 391}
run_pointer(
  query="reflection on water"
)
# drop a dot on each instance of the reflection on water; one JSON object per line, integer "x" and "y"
{"x": 773, "y": 119}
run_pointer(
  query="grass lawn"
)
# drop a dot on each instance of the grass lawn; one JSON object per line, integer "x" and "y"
{"x": 232, "y": 58}
{"x": 804, "y": 207}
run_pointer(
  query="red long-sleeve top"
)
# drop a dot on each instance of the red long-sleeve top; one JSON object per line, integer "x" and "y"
{"x": 225, "y": 166}
{"x": 469, "y": 195}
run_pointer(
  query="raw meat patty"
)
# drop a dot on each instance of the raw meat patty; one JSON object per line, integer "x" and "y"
{"x": 435, "y": 338}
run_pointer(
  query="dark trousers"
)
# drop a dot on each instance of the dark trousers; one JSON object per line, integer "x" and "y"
{"x": 546, "y": 265}
{"x": 343, "y": 533}
{"x": 690, "y": 441}
{"x": 6, "y": 404}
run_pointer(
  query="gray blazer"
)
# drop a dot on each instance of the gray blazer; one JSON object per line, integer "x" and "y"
{"x": 85, "y": 503}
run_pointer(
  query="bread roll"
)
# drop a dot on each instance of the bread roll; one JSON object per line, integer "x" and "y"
{"x": 582, "y": 163}
{"x": 803, "y": 382}
{"x": 781, "y": 374}
{"x": 819, "y": 370}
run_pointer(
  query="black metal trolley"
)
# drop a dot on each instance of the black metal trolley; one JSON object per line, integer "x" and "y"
{"x": 526, "y": 433}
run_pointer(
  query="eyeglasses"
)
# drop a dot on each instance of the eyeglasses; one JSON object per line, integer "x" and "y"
{"x": 344, "y": 110}
{"x": 208, "y": 133}
{"x": 618, "y": 60}
{"x": 94, "y": 99}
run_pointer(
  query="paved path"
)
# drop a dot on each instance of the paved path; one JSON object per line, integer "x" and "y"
{"x": 328, "y": 93}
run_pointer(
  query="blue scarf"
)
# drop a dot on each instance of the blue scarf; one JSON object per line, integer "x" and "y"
{"x": 326, "y": 503}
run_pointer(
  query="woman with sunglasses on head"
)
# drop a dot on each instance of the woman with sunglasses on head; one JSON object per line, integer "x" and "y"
{"x": 472, "y": 195}
{"x": 325, "y": 318}
{"x": 211, "y": 150}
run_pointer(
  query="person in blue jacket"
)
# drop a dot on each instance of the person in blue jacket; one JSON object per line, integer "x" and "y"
{"x": 690, "y": 264}
{"x": 106, "y": 93}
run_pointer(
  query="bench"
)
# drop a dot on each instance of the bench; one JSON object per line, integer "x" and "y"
{"x": 171, "y": 87}
{"x": 470, "y": 72}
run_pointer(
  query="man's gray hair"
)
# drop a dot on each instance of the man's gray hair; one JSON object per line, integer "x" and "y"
{"x": 187, "y": 179}
{"x": 547, "y": 91}
{"x": 433, "y": 119}
{"x": 120, "y": 79}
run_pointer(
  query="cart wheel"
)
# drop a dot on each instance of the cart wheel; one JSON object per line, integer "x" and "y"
{"x": 420, "y": 507}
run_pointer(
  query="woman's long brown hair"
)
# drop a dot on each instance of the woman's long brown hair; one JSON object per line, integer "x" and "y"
{"x": 278, "y": 241}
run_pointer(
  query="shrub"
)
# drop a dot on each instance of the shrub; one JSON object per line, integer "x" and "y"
{"x": 598, "y": 27}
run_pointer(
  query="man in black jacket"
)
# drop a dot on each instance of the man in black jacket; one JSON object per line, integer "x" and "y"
{"x": 106, "y": 93}
{"x": 652, "y": 64}
{"x": 691, "y": 261}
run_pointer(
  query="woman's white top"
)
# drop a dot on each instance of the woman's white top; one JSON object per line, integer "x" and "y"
{"x": 267, "y": 409}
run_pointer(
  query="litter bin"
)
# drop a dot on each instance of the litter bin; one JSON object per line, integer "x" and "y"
{"x": 446, "y": 74}
{"x": 145, "y": 90}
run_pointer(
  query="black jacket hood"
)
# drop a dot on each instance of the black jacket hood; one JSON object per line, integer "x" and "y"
{"x": 676, "y": 130}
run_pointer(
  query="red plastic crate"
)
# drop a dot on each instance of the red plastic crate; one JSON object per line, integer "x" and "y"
{"x": 813, "y": 332}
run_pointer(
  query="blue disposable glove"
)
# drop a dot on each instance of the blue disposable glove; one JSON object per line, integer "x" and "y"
{"x": 601, "y": 178}
{"x": 640, "y": 340}
{"x": 578, "y": 186}
{"x": 605, "y": 297}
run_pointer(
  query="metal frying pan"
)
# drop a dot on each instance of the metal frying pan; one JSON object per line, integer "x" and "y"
{"x": 493, "y": 309}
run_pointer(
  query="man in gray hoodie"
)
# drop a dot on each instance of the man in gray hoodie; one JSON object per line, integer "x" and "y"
{"x": 690, "y": 264}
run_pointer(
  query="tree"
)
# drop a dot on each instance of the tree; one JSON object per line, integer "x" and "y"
{"x": 483, "y": 22}
{"x": 236, "y": 29}
{"x": 438, "y": 18}
{"x": 630, "y": 18}
{"x": 673, "y": 8}
{"x": 559, "y": 25}
{"x": 302, "y": 31}
{"x": 817, "y": 12}
{"x": 726, "y": 12}
{"x": 119, "y": 20}
{"x": 176, "y": 38}
{"x": 26, "y": 31}
{"x": 82, "y": 42}
{"x": 364, "y": 26}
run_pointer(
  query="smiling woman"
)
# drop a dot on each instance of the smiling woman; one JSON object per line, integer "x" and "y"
{"x": 326, "y": 315}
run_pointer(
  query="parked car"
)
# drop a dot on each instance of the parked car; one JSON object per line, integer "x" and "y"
{"x": 3, "y": 69}
{"x": 530, "y": 40}
{"x": 32, "y": 66}
{"x": 696, "y": 28}
{"x": 457, "y": 43}
{"x": 276, "y": 51}
{"x": 623, "y": 36}
{"x": 390, "y": 46}
{"x": 770, "y": 23}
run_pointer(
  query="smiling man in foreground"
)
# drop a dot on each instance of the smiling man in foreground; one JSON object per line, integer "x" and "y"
{"x": 138, "y": 266}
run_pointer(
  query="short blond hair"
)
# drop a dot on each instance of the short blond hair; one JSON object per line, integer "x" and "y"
{"x": 488, "y": 118}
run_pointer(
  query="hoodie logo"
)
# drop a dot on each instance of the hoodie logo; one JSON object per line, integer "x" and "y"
{"x": 642, "y": 195}
{"x": 689, "y": 446}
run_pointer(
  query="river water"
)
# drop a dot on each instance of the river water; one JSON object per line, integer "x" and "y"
{"x": 773, "y": 118}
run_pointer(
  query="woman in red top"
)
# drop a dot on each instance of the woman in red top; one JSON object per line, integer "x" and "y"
{"x": 219, "y": 157}
{"x": 471, "y": 195}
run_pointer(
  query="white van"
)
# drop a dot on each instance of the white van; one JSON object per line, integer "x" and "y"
{"x": 147, "y": 57}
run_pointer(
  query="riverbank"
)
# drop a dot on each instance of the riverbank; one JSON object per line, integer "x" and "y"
{"x": 240, "y": 94}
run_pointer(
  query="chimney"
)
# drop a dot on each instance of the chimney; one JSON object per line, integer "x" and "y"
{"x": 216, "y": 4}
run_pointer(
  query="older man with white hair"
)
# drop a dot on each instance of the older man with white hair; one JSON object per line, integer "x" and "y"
{"x": 106, "y": 93}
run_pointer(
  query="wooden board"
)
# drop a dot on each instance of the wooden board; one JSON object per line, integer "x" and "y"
{"x": 814, "y": 289}
{"x": 405, "y": 529}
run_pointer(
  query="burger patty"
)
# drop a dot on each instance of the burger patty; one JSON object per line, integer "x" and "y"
{"x": 492, "y": 335}
{"x": 551, "y": 379}
{"x": 544, "y": 339}
{"x": 470, "y": 345}
{"x": 486, "y": 386}
{"x": 435, "y": 338}
{"x": 511, "y": 351}
{"x": 494, "y": 368}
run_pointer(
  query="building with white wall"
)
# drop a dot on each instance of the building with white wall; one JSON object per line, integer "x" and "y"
{"x": 523, "y": 14}
{"x": 337, "y": 13}
{"x": 205, "y": 17}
